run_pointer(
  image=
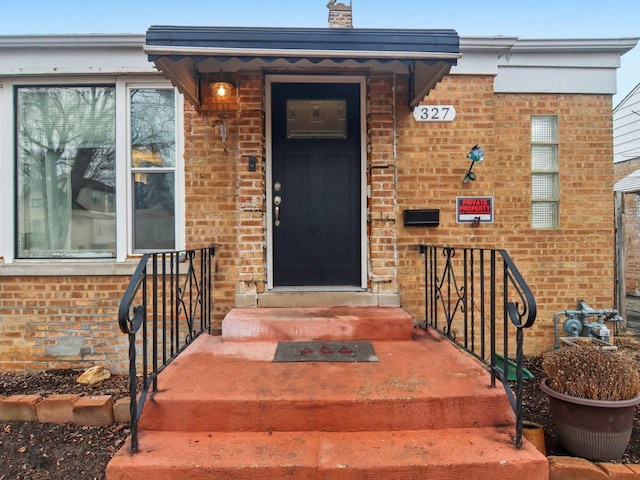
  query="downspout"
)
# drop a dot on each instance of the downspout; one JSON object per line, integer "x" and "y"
{"x": 619, "y": 294}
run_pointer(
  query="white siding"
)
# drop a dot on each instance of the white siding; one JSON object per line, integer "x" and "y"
{"x": 626, "y": 128}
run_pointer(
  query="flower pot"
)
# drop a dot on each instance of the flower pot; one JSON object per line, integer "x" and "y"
{"x": 592, "y": 429}
{"x": 535, "y": 434}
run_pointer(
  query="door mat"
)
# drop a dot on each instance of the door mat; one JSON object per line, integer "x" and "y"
{"x": 325, "y": 352}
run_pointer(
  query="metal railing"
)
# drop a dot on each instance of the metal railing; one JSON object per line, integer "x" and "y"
{"x": 173, "y": 297}
{"x": 478, "y": 299}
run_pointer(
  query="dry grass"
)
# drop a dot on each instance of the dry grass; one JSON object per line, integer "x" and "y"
{"x": 590, "y": 372}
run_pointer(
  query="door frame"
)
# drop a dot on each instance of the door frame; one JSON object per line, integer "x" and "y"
{"x": 364, "y": 255}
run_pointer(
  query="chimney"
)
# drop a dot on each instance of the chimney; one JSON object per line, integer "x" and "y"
{"x": 340, "y": 15}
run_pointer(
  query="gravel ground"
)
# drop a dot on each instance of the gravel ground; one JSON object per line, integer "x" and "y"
{"x": 48, "y": 451}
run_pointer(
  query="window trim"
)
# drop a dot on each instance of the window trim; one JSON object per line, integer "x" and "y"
{"x": 178, "y": 166}
{"x": 8, "y": 215}
{"x": 14, "y": 159}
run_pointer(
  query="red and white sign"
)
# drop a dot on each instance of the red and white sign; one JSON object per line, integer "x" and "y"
{"x": 474, "y": 209}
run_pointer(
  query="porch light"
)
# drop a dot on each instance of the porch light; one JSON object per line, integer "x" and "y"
{"x": 221, "y": 90}
{"x": 220, "y": 87}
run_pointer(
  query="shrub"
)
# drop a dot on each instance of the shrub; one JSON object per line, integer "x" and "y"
{"x": 592, "y": 373}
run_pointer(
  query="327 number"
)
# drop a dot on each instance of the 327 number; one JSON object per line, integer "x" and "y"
{"x": 434, "y": 113}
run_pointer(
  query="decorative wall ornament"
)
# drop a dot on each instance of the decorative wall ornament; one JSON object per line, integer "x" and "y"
{"x": 476, "y": 155}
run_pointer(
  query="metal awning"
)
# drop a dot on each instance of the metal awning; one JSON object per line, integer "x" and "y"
{"x": 185, "y": 53}
{"x": 628, "y": 184}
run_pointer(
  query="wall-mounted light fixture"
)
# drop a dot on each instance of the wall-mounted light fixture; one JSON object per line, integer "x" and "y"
{"x": 221, "y": 90}
{"x": 476, "y": 154}
{"x": 222, "y": 95}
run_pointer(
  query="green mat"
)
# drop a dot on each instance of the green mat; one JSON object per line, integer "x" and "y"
{"x": 511, "y": 366}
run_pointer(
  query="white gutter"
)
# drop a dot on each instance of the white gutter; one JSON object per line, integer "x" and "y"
{"x": 292, "y": 52}
{"x": 72, "y": 41}
{"x": 618, "y": 45}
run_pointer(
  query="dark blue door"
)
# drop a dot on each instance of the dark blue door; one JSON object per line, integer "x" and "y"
{"x": 316, "y": 184}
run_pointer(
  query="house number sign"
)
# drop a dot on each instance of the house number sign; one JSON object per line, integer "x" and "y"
{"x": 434, "y": 113}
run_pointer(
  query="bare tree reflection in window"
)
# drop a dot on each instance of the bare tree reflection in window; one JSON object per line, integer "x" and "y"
{"x": 66, "y": 171}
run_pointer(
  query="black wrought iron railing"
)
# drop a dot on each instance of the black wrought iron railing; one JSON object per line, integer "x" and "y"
{"x": 479, "y": 300}
{"x": 166, "y": 306}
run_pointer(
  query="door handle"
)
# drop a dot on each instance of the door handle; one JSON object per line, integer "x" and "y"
{"x": 277, "y": 201}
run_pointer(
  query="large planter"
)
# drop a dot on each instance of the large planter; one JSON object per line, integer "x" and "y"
{"x": 592, "y": 429}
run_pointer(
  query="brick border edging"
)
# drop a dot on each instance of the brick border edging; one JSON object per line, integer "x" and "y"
{"x": 568, "y": 468}
{"x": 90, "y": 411}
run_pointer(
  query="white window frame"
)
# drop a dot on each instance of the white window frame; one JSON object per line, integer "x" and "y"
{"x": 6, "y": 180}
{"x": 177, "y": 169}
{"x": 124, "y": 197}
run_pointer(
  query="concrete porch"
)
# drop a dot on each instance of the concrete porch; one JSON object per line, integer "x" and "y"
{"x": 425, "y": 410}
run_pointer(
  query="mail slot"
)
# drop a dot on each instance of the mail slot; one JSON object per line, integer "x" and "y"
{"x": 422, "y": 218}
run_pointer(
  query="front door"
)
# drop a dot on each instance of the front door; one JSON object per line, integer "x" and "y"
{"x": 316, "y": 201}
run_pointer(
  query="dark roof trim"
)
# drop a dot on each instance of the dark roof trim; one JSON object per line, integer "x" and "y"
{"x": 180, "y": 51}
{"x": 306, "y": 39}
{"x": 154, "y": 51}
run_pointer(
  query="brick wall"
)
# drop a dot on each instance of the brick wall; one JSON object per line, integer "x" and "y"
{"x": 61, "y": 322}
{"x": 562, "y": 266}
{"x": 382, "y": 173}
{"x": 631, "y": 228}
{"x": 48, "y": 322}
{"x": 224, "y": 201}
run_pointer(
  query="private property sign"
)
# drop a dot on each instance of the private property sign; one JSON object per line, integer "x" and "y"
{"x": 474, "y": 209}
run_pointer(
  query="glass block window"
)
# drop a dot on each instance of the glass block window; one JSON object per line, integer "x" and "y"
{"x": 545, "y": 189}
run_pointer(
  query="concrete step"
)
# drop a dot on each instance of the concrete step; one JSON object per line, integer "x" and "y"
{"x": 424, "y": 383}
{"x": 317, "y": 323}
{"x": 225, "y": 409}
{"x": 470, "y": 454}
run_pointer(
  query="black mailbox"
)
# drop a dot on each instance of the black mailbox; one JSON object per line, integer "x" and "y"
{"x": 422, "y": 218}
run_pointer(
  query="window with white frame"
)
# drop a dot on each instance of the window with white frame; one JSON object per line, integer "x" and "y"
{"x": 152, "y": 150}
{"x": 544, "y": 171}
{"x": 66, "y": 168}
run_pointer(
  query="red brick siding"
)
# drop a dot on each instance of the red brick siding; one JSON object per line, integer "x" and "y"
{"x": 410, "y": 165}
{"x": 42, "y": 314}
{"x": 561, "y": 266}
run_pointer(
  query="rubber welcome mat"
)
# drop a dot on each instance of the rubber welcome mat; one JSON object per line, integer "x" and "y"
{"x": 325, "y": 352}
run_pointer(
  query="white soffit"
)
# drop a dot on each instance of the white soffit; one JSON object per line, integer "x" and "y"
{"x": 73, "y": 54}
{"x": 480, "y": 54}
{"x": 585, "y": 66}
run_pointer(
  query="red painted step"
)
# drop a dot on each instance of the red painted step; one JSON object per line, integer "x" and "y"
{"x": 317, "y": 323}
{"x": 426, "y": 409}
{"x": 421, "y": 384}
{"x": 469, "y": 454}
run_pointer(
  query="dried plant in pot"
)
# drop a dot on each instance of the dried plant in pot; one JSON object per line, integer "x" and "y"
{"x": 592, "y": 395}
